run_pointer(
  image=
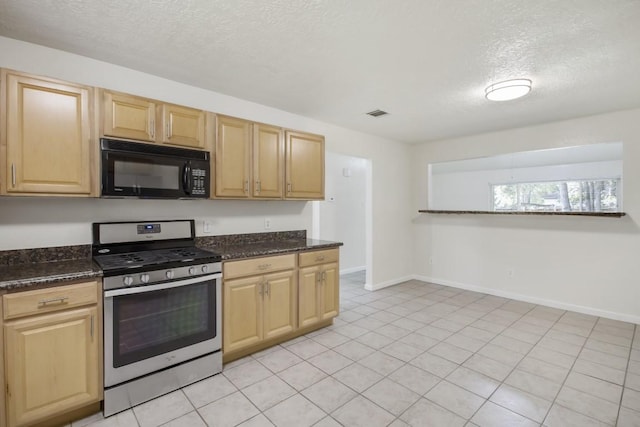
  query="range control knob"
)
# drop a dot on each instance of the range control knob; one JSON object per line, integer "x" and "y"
{"x": 144, "y": 278}
{"x": 205, "y": 268}
{"x": 127, "y": 280}
{"x": 192, "y": 270}
{"x": 169, "y": 274}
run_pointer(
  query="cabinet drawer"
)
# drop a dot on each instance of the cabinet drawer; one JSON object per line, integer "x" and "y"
{"x": 318, "y": 257}
{"x": 255, "y": 266}
{"x": 47, "y": 300}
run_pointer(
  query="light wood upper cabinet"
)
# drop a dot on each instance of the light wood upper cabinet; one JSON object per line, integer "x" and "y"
{"x": 183, "y": 126}
{"x": 49, "y": 131}
{"x": 304, "y": 166}
{"x": 48, "y": 136}
{"x": 127, "y": 116}
{"x": 233, "y": 155}
{"x": 268, "y": 161}
{"x": 132, "y": 117}
{"x": 52, "y": 352}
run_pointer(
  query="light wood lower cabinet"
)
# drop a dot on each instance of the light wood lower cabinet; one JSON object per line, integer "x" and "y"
{"x": 268, "y": 297}
{"x": 243, "y": 318}
{"x": 52, "y": 359}
{"x": 258, "y": 307}
{"x": 279, "y": 304}
{"x": 319, "y": 287}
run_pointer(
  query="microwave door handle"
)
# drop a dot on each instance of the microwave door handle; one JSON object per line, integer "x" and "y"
{"x": 186, "y": 178}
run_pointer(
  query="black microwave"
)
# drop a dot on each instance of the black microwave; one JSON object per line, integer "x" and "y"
{"x": 133, "y": 169}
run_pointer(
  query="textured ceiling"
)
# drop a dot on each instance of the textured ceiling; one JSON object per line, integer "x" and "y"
{"x": 426, "y": 62}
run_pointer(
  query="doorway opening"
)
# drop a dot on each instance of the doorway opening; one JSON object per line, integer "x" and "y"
{"x": 346, "y": 214}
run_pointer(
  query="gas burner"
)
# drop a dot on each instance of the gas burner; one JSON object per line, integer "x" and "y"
{"x": 129, "y": 258}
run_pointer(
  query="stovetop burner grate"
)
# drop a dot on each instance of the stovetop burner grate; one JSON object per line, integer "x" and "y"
{"x": 154, "y": 258}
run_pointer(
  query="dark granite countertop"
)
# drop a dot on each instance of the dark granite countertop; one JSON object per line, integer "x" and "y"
{"x": 238, "y": 250}
{"x": 25, "y": 268}
{"x": 44, "y": 273}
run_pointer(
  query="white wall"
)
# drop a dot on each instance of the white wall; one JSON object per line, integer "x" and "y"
{"x": 589, "y": 264}
{"x": 34, "y": 222}
{"x": 343, "y": 214}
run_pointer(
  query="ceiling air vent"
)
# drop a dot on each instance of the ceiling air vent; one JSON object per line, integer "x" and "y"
{"x": 377, "y": 113}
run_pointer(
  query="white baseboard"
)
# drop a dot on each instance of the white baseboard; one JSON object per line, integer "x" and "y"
{"x": 352, "y": 270}
{"x": 386, "y": 284}
{"x": 527, "y": 298}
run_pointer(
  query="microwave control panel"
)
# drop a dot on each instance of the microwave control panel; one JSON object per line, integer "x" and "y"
{"x": 198, "y": 179}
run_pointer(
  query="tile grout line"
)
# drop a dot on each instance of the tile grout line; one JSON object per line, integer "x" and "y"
{"x": 553, "y": 402}
{"x": 460, "y": 308}
{"x": 487, "y": 399}
{"x": 626, "y": 372}
{"x": 453, "y": 333}
{"x": 421, "y": 396}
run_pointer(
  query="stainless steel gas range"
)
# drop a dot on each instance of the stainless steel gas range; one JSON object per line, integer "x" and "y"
{"x": 162, "y": 309}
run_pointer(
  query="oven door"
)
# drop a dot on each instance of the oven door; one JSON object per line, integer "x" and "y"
{"x": 149, "y": 328}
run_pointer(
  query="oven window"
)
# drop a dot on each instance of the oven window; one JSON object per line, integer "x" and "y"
{"x": 153, "y": 323}
{"x": 128, "y": 174}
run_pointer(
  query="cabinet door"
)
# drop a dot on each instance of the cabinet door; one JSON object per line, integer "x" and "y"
{"x": 308, "y": 300}
{"x": 183, "y": 126}
{"x": 48, "y": 136}
{"x": 330, "y": 291}
{"x": 304, "y": 166}
{"x": 232, "y": 157}
{"x": 268, "y": 161}
{"x": 52, "y": 364}
{"x": 127, "y": 116}
{"x": 279, "y": 303}
{"x": 242, "y": 313}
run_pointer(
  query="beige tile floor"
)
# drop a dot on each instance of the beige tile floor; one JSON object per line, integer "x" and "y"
{"x": 419, "y": 354}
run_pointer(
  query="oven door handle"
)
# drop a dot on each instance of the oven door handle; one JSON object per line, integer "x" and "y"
{"x": 160, "y": 286}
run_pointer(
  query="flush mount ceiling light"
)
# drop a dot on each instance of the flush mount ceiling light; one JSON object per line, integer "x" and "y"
{"x": 508, "y": 90}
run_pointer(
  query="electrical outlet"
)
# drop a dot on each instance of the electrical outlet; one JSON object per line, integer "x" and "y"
{"x": 208, "y": 227}
{"x": 267, "y": 223}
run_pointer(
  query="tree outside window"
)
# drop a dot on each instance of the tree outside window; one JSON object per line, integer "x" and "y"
{"x": 559, "y": 196}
